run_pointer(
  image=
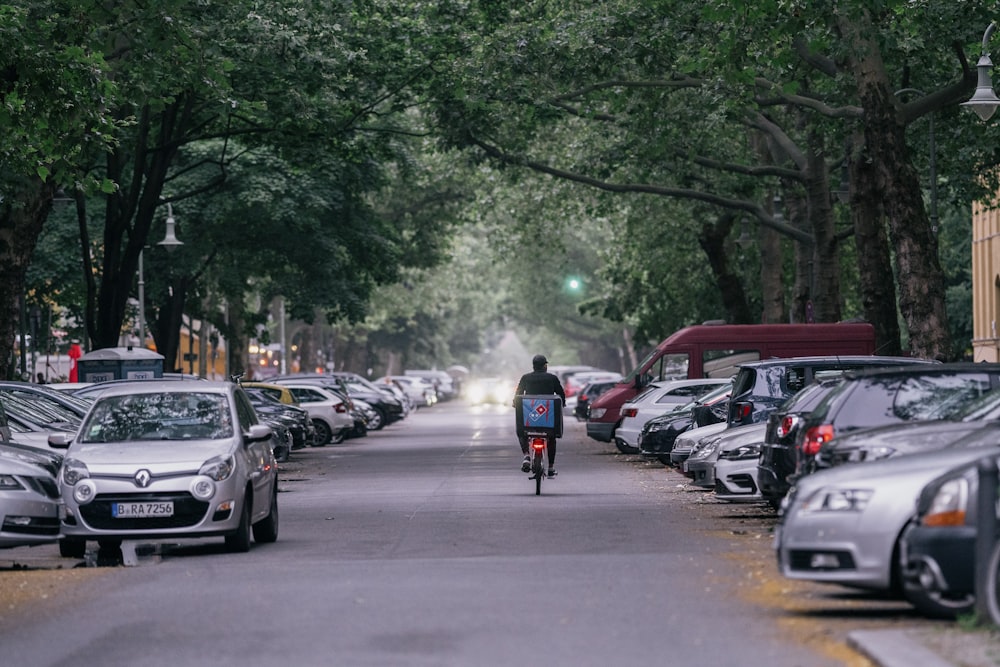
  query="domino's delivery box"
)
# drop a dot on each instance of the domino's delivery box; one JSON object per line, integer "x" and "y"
{"x": 539, "y": 413}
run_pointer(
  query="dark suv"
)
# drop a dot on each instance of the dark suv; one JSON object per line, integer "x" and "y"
{"x": 761, "y": 386}
{"x": 866, "y": 399}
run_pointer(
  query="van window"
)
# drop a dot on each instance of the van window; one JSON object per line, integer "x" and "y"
{"x": 724, "y": 363}
{"x": 673, "y": 366}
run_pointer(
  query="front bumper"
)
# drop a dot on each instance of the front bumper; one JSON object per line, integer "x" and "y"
{"x": 601, "y": 431}
{"x": 28, "y": 518}
{"x": 736, "y": 481}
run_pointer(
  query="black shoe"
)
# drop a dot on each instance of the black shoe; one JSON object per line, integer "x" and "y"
{"x": 552, "y": 472}
{"x": 526, "y": 464}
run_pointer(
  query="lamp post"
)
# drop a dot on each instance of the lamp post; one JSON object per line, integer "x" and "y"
{"x": 984, "y": 101}
{"x": 169, "y": 242}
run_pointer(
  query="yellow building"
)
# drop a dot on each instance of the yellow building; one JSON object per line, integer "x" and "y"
{"x": 985, "y": 283}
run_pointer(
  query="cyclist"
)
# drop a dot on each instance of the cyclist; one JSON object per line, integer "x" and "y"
{"x": 539, "y": 381}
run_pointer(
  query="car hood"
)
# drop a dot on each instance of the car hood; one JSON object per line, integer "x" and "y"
{"x": 181, "y": 453}
{"x": 738, "y": 436}
{"x": 887, "y": 473}
{"x": 912, "y": 435}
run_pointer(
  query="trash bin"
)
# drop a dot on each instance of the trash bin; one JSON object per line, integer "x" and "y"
{"x": 119, "y": 363}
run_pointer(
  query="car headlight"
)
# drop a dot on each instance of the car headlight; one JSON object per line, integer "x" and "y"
{"x": 837, "y": 500}
{"x": 218, "y": 468}
{"x": 949, "y": 504}
{"x": 870, "y": 453}
{"x": 741, "y": 453}
{"x": 597, "y": 413}
{"x": 73, "y": 471}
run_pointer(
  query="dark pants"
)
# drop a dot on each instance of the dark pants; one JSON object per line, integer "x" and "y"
{"x": 551, "y": 448}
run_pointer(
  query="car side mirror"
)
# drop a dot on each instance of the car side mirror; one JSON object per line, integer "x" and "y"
{"x": 258, "y": 432}
{"x": 60, "y": 440}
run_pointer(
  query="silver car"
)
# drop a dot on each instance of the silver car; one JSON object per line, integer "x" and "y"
{"x": 29, "y": 497}
{"x": 169, "y": 460}
{"x": 842, "y": 525}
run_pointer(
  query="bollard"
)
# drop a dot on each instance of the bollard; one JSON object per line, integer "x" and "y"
{"x": 986, "y": 538}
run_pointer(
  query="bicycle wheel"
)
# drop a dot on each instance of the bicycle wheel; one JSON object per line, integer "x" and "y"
{"x": 538, "y": 482}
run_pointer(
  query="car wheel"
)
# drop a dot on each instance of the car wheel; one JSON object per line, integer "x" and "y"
{"x": 338, "y": 437}
{"x": 664, "y": 459}
{"x": 935, "y": 605}
{"x": 71, "y": 547}
{"x": 266, "y": 530}
{"x": 377, "y": 420}
{"x": 323, "y": 433}
{"x": 281, "y": 454}
{"x": 239, "y": 542}
{"x": 624, "y": 448}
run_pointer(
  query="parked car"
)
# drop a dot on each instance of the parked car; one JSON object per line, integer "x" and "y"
{"x": 700, "y": 465}
{"x": 329, "y": 412}
{"x": 167, "y": 459}
{"x": 776, "y": 463}
{"x": 591, "y": 391}
{"x": 938, "y": 547}
{"x": 843, "y": 525}
{"x": 388, "y": 409}
{"x": 657, "y": 440}
{"x": 691, "y": 440}
{"x": 421, "y": 393}
{"x": 29, "y": 498}
{"x": 47, "y": 395}
{"x": 657, "y": 399}
{"x": 576, "y": 382}
{"x": 283, "y": 418}
{"x": 444, "y": 384}
{"x": 735, "y": 469}
{"x": 879, "y": 397}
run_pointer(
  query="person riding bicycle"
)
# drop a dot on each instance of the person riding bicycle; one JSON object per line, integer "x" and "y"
{"x": 539, "y": 381}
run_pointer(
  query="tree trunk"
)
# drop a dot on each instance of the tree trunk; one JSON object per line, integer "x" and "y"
{"x": 824, "y": 288}
{"x": 712, "y": 239}
{"x": 23, "y": 211}
{"x": 918, "y": 270}
{"x": 878, "y": 287}
{"x": 772, "y": 285}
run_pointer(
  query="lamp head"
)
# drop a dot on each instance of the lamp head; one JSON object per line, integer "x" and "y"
{"x": 984, "y": 101}
{"x": 170, "y": 238}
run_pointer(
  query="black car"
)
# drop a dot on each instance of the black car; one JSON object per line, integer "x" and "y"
{"x": 882, "y": 397}
{"x": 292, "y": 417}
{"x": 589, "y": 393}
{"x": 777, "y": 460}
{"x": 761, "y": 386}
{"x": 938, "y": 547}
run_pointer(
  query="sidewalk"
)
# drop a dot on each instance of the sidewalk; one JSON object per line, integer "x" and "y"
{"x": 909, "y": 648}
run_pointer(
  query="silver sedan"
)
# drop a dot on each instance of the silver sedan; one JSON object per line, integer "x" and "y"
{"x": 29, "y": 497}
{"x": 167, "y": 460}
{"x": 842, "y": 525}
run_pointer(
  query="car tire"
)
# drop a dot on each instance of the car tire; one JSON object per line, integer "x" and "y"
{"x": 239, "y": 541}
{"x": 338, "y": 437}
{"x": 72, "y": 547}
{"x": 377, "y": 421}
{"x": 624, "y": 448}
{"x": 665, "y": 460}
{"x": 323, "y": 433}
{"x": 265, "y": 531}
{"x": 934, "y": 605}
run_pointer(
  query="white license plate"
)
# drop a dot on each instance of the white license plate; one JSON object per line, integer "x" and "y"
{"x": 133, "y": 510}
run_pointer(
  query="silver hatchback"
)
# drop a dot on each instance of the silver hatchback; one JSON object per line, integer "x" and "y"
{"x": 155, "y": 460}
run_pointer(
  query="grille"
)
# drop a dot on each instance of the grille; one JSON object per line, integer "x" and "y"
{"x": 802, "y": 560}
{"x": 187, "y": 512}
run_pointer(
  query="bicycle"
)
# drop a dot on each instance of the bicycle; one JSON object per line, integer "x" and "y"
{"x": 538, "y": 444}
{"x": 539, "y": 418}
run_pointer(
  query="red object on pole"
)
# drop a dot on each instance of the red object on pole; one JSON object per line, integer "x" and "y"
{"x": 74, "y": 353}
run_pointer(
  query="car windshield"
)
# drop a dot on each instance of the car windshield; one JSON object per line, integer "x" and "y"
{"x": 158, "y": 416}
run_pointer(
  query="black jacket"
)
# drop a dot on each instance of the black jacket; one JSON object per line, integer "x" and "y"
{"x": 539, "y": 382}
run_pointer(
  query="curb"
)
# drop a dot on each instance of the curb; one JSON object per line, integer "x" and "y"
{"x": 894, "y": 648}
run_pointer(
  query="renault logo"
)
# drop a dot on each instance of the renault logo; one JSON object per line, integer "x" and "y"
{"x": 143, "y": 478}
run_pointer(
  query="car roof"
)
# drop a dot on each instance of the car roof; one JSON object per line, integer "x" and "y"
{"x": 935, "y": 369}
{"x": 840, "y": 358}
{"x": 163, "y": 386}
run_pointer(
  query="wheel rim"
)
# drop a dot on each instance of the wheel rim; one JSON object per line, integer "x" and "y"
{"x": 323, "y": 433}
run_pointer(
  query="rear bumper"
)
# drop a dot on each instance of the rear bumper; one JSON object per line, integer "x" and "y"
{"x": 600, "y": 431}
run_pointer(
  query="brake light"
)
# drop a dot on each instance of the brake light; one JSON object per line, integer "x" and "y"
{"x": 630, "y": 412}
{"x": 742, "y": 411}
{"x": 815, "y": 437}
{"x": 786, "y": 426}
{"x": 538, "y": 444}
{"x": 582, "y": 397}
{"x": 340, "y": 407}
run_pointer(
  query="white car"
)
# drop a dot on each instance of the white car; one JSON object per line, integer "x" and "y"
{"x": 329, "y": 412}
{"x": 658, "y": 399}
{"x": 165, "y": 460}
{"x": 736, "y": 465}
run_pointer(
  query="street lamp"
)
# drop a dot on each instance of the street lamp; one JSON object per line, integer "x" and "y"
{"x": 169, "y": 242}
{"x": 984, "y": 101}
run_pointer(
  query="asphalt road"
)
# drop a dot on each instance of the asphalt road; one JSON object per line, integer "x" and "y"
{"x": 424, "y": 544}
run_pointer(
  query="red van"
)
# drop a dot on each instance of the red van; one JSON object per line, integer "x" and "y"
{"x": 716, "y": 349}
